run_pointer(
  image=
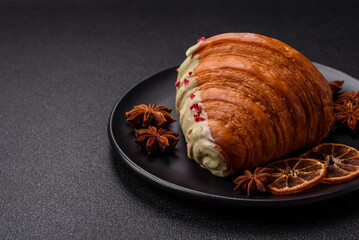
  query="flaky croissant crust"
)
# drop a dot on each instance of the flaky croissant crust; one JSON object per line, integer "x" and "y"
{"x": 263, "y": 99}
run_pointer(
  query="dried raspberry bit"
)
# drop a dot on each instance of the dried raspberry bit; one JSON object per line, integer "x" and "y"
{"x": 198, "y": 118}
{"x": 190, "y": 73}
{"x": 186, "y": 81}
{"x": 193, "y": 106}
{"x": 196, "y": 107}
{"x": 201, "y": 39}
{"x": 192, "y": 95}
{"x": 177, "y": 83}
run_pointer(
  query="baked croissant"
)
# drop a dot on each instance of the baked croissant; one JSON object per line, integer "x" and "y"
{"x": 245, "y": 99}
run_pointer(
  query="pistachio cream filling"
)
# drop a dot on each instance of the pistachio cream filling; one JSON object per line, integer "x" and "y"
{"x": 193, "y": 118}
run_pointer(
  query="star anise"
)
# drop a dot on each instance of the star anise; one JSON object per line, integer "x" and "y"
{"x": 153, "y": 141}
{"x": 143, "y": 116}
{"x": 336, "y": 86}
{"x": 347, "y": 114}
{"x": 349, "y": 97}
{"x": 252, "y": 183}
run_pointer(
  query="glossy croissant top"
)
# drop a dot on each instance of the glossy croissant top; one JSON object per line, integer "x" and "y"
{"x": 245, "y": 99}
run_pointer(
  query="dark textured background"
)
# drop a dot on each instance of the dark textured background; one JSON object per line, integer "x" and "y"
{"x": 64, "y": 64}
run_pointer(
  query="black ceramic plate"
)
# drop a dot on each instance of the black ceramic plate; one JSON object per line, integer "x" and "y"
{"x": 176, "y": 173}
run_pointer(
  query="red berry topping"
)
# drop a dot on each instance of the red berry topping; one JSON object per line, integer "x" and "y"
{"x": 190, "y": 73}
{"x": 192, "y": 95}
{"x": 177, "y": 83}
{"x": 186, "y": 81}
{"x": 198, "y": 118}
{"x": 196, "y": 107}
{"x": 201, "y": 39}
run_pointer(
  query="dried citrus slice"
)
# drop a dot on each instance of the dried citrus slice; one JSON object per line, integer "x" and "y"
{"x": 294, "y": 175}
{"x": 342, "y": 161}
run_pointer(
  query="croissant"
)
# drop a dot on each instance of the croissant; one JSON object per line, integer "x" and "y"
{"x": 245, "y": 99}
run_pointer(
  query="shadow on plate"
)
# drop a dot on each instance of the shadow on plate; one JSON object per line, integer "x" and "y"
{"x": 170, "y": 204}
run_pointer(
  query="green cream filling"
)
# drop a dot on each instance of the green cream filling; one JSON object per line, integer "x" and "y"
{"x": 200, "y": 142}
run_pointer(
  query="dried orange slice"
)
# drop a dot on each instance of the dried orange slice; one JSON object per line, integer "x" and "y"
{"x": 341, "y": 160}
{"x": 294, "y": 175}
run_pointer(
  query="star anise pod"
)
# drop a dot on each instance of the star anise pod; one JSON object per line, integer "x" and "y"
{"x": 153, "y": 141}
{"x": 349, "y": 97}
{"x": 144, "y": 116}
{"x": 347, "y": 114}
{"x": 252, "y": 183}
{"x": 336, "y": 86}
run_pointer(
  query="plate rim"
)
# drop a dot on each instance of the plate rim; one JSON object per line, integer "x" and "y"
{"x": 198, "y": 195}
